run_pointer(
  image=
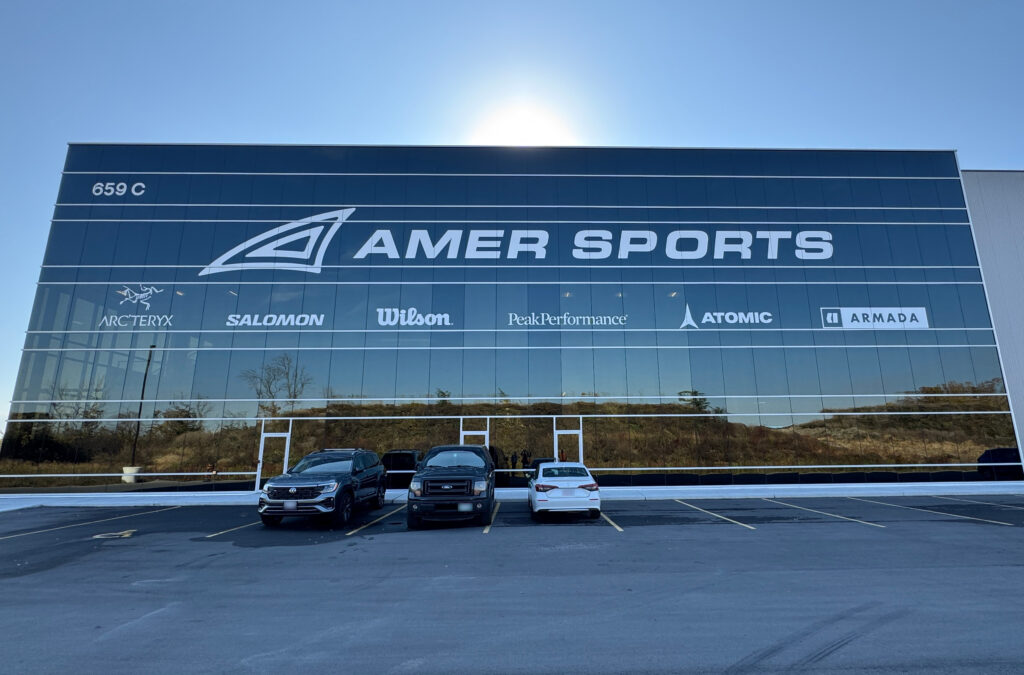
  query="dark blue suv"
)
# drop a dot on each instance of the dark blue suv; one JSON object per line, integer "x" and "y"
{"x": 326, "y": 484}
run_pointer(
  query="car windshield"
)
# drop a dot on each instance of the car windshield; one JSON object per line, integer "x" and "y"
{"x": 311, "y": 464}
{"x": 565, "y": 472}
{"x": 456, "y": 458}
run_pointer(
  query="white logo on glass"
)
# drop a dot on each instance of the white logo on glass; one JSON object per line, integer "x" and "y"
{"x": 688, "y": 321}
{"x": 141, "y": 296}
{"x": 265, "y": 251}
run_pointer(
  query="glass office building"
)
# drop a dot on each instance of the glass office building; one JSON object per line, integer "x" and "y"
{"x": 670, "y": 316}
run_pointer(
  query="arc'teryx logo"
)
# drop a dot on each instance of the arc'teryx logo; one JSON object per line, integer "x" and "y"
{"x": 142, "y": 296}
{"x": 271, "y": 249}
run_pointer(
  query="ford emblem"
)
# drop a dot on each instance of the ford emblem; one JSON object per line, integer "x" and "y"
{"x": 446, "y": 487}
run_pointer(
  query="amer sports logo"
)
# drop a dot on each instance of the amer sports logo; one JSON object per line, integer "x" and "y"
{"x": 300, "y": 245}
{"x": 278, "y": 249}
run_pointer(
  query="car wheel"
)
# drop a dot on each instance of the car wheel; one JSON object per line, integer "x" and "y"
{"x": 270, "y": 521}
{"x": 535, "y": 515}
{"x": 413, "y": 522}
{"x": 378, "y": 500}
{"x": 595, "y": 514}
{"x": 343, "y": 511}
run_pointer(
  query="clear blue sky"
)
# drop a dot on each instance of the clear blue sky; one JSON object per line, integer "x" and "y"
{"x": 878, "y": 73}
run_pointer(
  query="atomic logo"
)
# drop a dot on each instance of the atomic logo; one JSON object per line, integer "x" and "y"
{"x": 688, "y": 321}
{"x": 298, "y": 246}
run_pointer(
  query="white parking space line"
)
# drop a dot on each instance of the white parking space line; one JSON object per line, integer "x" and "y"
{"x": 824, "y": 513}
{"x": 91, "y": 522}
{"x": 941, "y": 513}
{"x": 217, "y": 534}
{"x": 735, "y": 522}
{"x": 362, "y": 527}
{"x": 610, "y": 521}
{"x": 494, "y": 513}
{"x": 972, "y": 501}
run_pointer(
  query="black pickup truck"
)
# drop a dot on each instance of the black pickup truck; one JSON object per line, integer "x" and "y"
{"x": 327, "y": 484}
{"x": 452, "y": 482}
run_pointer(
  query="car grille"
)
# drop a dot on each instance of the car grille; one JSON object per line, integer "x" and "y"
{"x": 299, "y": 510}
{"x": 456, "y": 487}
{"x": 308, "y": 492}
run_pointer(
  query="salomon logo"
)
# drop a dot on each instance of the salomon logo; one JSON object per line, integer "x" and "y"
{"x": 277, "y": 249}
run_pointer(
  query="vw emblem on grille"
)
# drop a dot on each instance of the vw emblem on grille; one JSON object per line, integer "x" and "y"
{"x": 291, "y": 490}
{"x": 446, "y": 487}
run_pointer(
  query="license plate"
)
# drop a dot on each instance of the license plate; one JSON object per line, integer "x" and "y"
{"x": 567, "y": 492}
{"x": 465, "y": 507}
{"x": 291, "y": 505}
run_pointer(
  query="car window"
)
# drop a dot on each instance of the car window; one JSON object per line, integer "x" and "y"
{"x": 565, "y": 472}
{"x": 456, "y": 458}
{"x": 312, "y": 464}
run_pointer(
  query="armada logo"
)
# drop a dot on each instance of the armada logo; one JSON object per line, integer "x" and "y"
{"x": 874, "y": 318}
{"x": 298, "y": 246}
{"x": 274, "y": 320}
{"x": 730, "y": 318}
{"x": 393, "y": 316}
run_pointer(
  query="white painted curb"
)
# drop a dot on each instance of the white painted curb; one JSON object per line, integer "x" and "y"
{"x": 10, "y": 502}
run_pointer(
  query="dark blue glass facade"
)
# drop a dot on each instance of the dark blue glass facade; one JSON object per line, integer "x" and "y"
{"x": 679, "y": 308}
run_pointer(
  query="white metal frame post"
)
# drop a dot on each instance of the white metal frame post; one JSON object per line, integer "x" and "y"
{"x": 464, "y": 433}
{"x": 264, "y": 435}
{"x": 577, "y": 432}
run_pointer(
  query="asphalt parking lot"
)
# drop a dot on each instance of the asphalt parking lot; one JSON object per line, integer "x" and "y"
{"x": 893, "y": 584}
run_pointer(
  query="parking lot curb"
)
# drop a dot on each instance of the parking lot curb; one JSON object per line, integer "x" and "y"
{"x": 10, "y": 502}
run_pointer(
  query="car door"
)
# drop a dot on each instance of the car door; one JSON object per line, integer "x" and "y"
{"x": 377, "y": 473}
{"x": 371, "y": 476}
{"x": 359, "y": 476}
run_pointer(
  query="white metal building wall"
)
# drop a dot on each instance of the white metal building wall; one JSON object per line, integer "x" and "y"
{"x": 996, "y": 203}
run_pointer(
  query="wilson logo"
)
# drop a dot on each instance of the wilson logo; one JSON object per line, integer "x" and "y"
{"x": 393, "y": 316}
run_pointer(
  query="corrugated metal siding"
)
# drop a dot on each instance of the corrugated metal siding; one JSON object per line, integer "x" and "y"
{"x": 996, "y": 203}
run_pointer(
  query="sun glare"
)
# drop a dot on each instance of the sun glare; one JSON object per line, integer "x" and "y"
{"x": 523, "y": 124}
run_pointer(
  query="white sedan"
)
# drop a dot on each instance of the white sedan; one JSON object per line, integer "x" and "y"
{"x": 564, "y": 486}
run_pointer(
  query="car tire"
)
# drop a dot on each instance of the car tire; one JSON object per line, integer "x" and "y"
{"x": 343, "y": 511}
{"x": 270, "y": 521}
{"x": 594, "y": 514}
{"x": 378, "y": 499}
{"x": 535, "y": 515}
{"x": 413, "y": 522}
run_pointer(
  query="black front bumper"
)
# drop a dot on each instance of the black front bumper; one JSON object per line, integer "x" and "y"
{"x": 323, "y": 504}
{"x": 447, "y": 508}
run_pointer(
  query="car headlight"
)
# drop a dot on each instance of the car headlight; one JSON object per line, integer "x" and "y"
{"x": 416, "y": 487}
{"x": 330, "y": 487}
{"x": 266, "y": 488}
{"x": 479, "y": 487}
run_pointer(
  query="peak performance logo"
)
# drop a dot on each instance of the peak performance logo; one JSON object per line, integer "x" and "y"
{"x": 278, "y": 249}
